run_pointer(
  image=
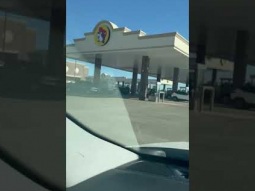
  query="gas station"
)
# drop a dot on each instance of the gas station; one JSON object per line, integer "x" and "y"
{"x": 163, "y": 56}
{"x": 219, "y": 47}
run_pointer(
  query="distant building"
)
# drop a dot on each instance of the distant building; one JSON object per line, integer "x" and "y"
{"x": 75, "y": 71}
{"x": 17, "y": 36}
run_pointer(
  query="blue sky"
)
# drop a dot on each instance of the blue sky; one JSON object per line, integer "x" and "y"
{"x": 153, "y": 17}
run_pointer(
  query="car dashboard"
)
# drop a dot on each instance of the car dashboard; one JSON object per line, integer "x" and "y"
{"x": 102, "y": 166}
{"x": 138, "y": 175}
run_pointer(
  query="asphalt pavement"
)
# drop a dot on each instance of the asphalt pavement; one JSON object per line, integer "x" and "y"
{"x": 124, "y": 120}
{"x": 222, "y": 149}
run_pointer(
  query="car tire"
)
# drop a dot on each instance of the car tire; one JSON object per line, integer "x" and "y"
{"x": 240, "y": 103}
{"x": 226, "y": 99}
{"x": 175, "y": 98}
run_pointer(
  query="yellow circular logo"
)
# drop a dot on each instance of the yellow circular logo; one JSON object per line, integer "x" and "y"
{"x": 102, "y": 35}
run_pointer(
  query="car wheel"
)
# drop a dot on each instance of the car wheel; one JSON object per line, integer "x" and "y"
{"x": 226, "y": 100}
{"x": 240, "y": 103}
{"x": 175, "y": 98}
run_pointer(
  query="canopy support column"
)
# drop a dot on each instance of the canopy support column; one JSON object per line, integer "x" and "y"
{"x": 144, "y": 78}
{"x": 240, "y": 59}
{"x": 97, "y": 70}
{"x": 159, "y": 74}
{"x": 134, "y": 80}
{"x": 175, "y": 79}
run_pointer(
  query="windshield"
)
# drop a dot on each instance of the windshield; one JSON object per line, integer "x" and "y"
{"x": 120, "y": 81}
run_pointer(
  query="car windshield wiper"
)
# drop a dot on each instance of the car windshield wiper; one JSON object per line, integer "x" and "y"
{"x": 178, "y": 155}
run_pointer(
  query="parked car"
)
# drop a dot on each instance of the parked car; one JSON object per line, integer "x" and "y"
{"x": 180, "y": 96}
{"x": 94, "y": 89}
{"x": 169, "y": 93}
{"x": 124, "y": 90}
{"x": 244, "y": 98}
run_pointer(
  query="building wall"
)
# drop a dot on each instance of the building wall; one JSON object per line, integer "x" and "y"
{"x": 18, "y": 37}
{"x": 75, "y": 70}
{"x": 22, "y": 63}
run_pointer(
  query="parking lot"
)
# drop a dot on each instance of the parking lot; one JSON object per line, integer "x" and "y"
{"x": 221, "y": 141}
{"x": 131, "y": 121}
{"x": 159, "y": 122}
{"x": 222, "y": 144}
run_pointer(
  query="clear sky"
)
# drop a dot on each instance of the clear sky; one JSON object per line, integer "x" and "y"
{"x": 150, "y": 16}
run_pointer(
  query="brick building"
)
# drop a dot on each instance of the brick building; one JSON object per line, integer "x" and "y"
{"x": 75, "y": 71}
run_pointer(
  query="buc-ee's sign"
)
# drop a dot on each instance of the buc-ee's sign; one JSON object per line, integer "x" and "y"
{"x": 102, "y": 35}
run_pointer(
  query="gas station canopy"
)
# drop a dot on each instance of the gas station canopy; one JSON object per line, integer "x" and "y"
{"x": 123, "y": 49}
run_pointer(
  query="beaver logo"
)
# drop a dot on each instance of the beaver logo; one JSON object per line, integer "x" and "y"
{"x": 102, "y": 35}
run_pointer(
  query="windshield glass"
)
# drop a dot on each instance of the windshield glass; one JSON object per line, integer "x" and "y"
{"x": 120, "y": 81}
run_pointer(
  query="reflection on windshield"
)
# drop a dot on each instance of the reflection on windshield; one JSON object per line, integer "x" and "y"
{"x": 128, "y": 96}
{"x": 217, "y": 78}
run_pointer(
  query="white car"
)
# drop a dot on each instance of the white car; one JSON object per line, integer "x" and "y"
{"x": 94, "y": 89}
{"x": 243, "y": 98}
{"x": 176, "y": 96}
